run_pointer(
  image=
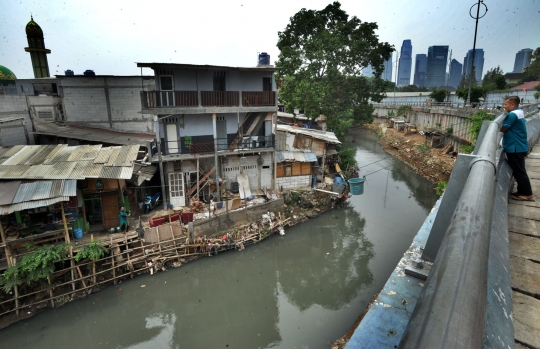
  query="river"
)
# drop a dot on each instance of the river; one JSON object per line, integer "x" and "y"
{"x": 302, "y": 290}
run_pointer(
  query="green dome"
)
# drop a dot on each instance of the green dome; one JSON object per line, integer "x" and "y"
{"x": 6, "y": 74}
{"x": 33, "y": 29}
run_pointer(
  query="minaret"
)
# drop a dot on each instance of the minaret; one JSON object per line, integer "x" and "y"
{"x": 36, "y": 47}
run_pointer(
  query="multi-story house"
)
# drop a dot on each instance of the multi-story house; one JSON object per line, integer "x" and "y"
{"x": 213, "y": 115}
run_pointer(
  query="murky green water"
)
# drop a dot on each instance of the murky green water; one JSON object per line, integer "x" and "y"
{"x": 302, "y": 290}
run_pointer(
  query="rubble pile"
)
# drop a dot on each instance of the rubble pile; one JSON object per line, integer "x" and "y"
{"x": 197, "y": 206}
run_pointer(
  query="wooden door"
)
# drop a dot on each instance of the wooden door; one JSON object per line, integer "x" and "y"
{"x": 176, "y": 185}
{"x": 172, "y": 139}
{"x": 109, "y": 204}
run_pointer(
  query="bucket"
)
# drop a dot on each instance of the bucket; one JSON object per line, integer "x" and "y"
{"x": 219, "y": 204}
{"x": 77, "y": 233}
{"x": 357, "y": 185}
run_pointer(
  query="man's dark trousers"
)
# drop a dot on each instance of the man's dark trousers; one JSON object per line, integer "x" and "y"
{"x": 517, "y": 164}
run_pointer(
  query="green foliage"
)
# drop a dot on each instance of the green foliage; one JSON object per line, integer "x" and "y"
{"x": 465, "y": 79}
{"x": 466, "y": 148}
{"x": 477, "y": 92}
{"x": 441, "y": 186}
{"x": 92, "y": 251}
{"x": 476, "y": 123}
{"x": 292, "y": 198}
{"x": 413, "y": 88}
{"x": 532, "y": 72}
{"x": 439, "y": 95}
{"x": 403, "y": 110}
{"x": 322, "y": 54}
{"x": 423, "y": 148}
{"x": 492, "y": 75}
{"x": 500, "y": 83}
{"x": 391, "y": 113}
{"x": 34, "y": 266}
{"x": 347, "y": 156}
{"x": 537, "y": 95}
{"x": 450, "y": 130}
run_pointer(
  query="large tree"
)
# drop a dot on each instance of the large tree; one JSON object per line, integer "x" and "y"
{"x": 321, "y": 60}
{"x": 532, "y": 72}
{"x": 492, "y": 75}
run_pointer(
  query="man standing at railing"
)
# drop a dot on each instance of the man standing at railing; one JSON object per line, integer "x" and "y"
{"x": 516, "y": 147}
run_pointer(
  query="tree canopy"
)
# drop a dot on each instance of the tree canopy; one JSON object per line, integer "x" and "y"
{"x": 532, "y": 72}
{"x": 492, "y": 75}
{"x": 477, "y": 92}
{"x": 322, "y": 54}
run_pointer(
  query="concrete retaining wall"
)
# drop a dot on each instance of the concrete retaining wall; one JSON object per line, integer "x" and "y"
{"x": 236, "y": 218}
{"x": 294, "y": 182}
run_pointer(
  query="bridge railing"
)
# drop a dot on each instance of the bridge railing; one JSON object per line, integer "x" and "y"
{"x": 450, "y": 312}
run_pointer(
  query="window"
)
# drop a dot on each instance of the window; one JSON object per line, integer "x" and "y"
{"x": 166, "y": 83}
{"x": 294, "y": 169}
{"x": 219, "y": 81}
{"x": 267, "y": 84}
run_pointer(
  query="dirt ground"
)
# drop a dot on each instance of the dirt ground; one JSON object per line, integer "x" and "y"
{"x": 433, "y": 164}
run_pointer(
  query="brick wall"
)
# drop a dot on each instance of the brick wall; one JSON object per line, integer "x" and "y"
{"x": 293, "y": 182}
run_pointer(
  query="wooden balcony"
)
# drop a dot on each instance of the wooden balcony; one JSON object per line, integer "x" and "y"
{"x": 205, "y": 99}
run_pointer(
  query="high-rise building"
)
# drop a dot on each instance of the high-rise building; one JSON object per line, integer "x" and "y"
{"x": 368, "y": 71}
{"x": 420, "y": 70}
{"x": 455, "y": 73}
{"x": 523, "y": 60}
{"x": 478, "y": 64}
{"x": 387, "y": 73}
{"x": 405, "y": 64}
{"x": 436, "y": 66}
{"x": 36, "y": 47}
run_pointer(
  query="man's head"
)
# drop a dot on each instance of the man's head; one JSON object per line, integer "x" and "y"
{"x": 122, "y": 208}
{"x": 511, "y": 103}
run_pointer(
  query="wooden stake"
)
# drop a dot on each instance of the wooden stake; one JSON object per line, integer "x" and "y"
{"x": 129, "y": 260}
{"x": 16, "y": 290}
{"x": 82, "y": 279}
{"x": 50, "y": 291}
{"x": 68, "y": 241}
{"x": 6, "y": 247}
{"x": 93, "y": 263}
{"x": 112, "y": 254}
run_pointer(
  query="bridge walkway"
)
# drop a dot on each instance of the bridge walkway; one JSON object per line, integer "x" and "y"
{"x": 524, "y": 235}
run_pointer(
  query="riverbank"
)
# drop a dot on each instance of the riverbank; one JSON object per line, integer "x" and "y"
{"x": 434, "y": 164}
{"x": 133, "y": 254}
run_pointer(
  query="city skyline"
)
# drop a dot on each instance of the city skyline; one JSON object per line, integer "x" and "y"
{"x": 405, "y": 63}
{"x": 81, "y": 35}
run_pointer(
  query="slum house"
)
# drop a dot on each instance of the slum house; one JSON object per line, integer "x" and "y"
{"x": 80, "y": 110}
{"x": 41, "y": 184}
{"x": 213, "y": 115}
{"x": 301, "y": 155}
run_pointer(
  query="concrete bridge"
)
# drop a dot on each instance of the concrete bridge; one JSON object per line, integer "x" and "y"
{"x": 471, "y": 278}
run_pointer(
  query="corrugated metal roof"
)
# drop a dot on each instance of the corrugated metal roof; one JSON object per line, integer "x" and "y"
{"x": 63, "y": 162}
{"x": 295, "y": 156}
{"x": 329, "y": 137}
{"x": 84, "y": 152}
{"x": 8, "y": 190}
{"x": 70, "y": 188}
{"x": 10, "y": 151}
{"x": 7, "y": 209}
{"x": 57, "y": 188}
{"x": 103, "y": 155}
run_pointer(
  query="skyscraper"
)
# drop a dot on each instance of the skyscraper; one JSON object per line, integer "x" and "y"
{"x": 405, "y": 63}
{"x": 523, "y": 60}
{"x": 420, "y": 70}
{"x": 387, "y": 73}
{"x": 455, "y": 73}
{"x": 478, "y": 64}
{"x": 436, "y": 66}
{"x": 36, "y": 47}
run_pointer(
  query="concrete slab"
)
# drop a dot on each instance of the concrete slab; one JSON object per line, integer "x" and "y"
{"x": 521, "y": 209}
{"x": 524, "y": 226}
{"x": 526, "y": 319}
{"x": 524, "y": 246}
{"x": 525, "y": 276}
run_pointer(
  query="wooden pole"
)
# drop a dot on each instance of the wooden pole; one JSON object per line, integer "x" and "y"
{"x": 6, "y": 247}
{"x": 93, "y": 263}
{"x": 84, "y": 215}
{"x": 197, "y": 177}
{"x": 130, "y": 266}
{"x": 16, "y": 290}
{"x": 68, "y": 241}
{"x": 50, "y": 291}
{"x": 112, "y": 259}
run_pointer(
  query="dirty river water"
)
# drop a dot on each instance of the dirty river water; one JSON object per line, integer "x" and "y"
{"x": 301, "y": 290}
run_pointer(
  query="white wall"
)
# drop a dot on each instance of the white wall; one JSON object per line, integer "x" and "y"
{"x": 232, "y": 169}
{"x": 12, "y": 133}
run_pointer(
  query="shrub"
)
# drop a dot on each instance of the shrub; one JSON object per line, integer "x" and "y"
{"x": 92, "y": 251}
{"x": 441, "y": 186}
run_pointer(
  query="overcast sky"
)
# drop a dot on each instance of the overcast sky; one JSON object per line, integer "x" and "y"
{"x": 110, "y": 36}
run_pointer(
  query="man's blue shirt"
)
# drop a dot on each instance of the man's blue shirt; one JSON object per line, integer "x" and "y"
{"x": 515, "y": 137}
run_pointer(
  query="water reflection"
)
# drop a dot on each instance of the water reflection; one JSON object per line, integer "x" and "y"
{"x": 344, "y": 253}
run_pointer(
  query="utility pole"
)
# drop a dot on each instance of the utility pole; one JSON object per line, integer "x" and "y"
{"x": 477, "y": 17}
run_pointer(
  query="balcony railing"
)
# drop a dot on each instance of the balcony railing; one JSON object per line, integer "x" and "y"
{"x": 156, "y": 99}
{"x": 247, "y": 143}
{"x": 166, "y": 99}
{"x": 258, "y": 98}
{"x": 219, "y": 98}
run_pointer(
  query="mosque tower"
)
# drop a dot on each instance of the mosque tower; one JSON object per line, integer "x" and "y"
{"x": 36, "y": 47}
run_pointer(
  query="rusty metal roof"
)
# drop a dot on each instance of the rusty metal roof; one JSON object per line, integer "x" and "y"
{"x": 326, "y": 136}
{"x": 65, "y": 162}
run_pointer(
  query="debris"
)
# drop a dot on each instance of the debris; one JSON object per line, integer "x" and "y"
{"x": 143, "y": 285}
